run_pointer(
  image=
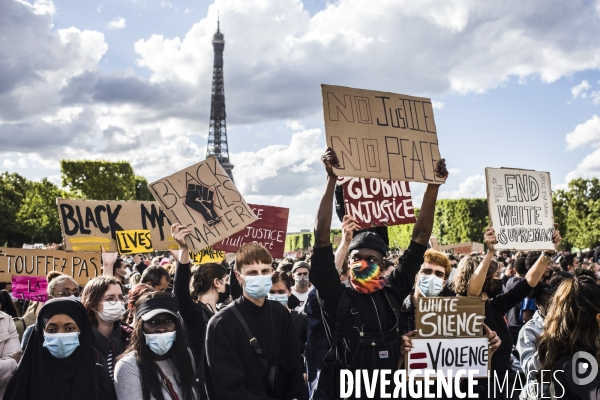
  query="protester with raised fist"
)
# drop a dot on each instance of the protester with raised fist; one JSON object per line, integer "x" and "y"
{"x": 475, "y": 277}
{"x": 157, "y": 364}
{"x": 210, "y": 286}
{"x": 372, "y": 302}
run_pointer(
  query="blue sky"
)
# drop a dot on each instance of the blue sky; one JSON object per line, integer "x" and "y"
{"x": 517, "y": 85}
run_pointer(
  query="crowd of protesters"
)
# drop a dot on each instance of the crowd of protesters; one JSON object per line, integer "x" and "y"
{"x": 258, "y": 328}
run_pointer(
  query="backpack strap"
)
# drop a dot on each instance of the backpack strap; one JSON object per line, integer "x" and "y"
{"x": 253, "y": 342}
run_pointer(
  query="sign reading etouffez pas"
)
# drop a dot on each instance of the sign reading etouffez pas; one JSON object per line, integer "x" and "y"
{"x": 203, "y": 198}
{"x": 520, "y": 207}
{"x": 381, "y": 135}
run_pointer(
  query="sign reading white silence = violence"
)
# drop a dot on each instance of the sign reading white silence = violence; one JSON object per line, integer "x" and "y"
{"x": 520, "y": 207}
{"x": 450, "y": 336}
{"x": 381, "y": 135}
{"x": 377, "y": 202}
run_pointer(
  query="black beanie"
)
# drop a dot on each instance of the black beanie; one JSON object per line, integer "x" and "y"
{"x": 368, "y": 240}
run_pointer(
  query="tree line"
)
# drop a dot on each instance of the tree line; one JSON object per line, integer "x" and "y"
{"x": 28, "y": 212}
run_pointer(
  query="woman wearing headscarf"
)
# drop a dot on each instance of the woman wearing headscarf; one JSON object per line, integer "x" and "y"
{"x": 157, "y": 365}
{"x": 59, "y": 362}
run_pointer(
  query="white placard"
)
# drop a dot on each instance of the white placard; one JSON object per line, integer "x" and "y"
{"x": 449, "y": 355}
{"x": 520, "y": 207}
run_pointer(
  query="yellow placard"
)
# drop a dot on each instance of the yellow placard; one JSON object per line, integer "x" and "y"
{"x": 207, "y": 255}
{"x": 134, "y": 241}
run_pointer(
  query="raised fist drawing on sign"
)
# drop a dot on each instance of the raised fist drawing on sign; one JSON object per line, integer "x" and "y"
{"x": 200, "y": 198}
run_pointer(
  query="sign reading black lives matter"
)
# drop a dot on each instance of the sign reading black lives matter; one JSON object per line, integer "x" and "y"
{"x": 450, "y": 336}
{"x": 204, "y": 198}
{"x": 520, "y": 207}
{"x": 124, "y": 226}
{"x": 381, "y": 135}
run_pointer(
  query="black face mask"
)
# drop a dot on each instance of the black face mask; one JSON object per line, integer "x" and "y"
{"x": 225, "y": 295}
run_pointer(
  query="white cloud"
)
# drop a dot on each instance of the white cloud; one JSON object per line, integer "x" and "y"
{"x": 588, "y": 168}
{"x": 8, "y": 164}
{"x": 587, "y": 133}
{"x": 294, "y": 125}
{"x": 187, "y": 11}
{"x": 472, "y": 187}
{"x": 453, "y": 171}
{"x": 165, "y": 4}
{"x": 437, "y": 105}
{"x": 117, "y": 23}
{"x": 99, "y": 8}
{"x": 580, "y": 90}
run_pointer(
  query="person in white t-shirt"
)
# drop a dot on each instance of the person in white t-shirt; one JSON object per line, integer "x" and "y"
{"x": 301, "y": 288}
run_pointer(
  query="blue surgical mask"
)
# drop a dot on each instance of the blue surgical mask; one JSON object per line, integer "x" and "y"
{"x": 258, "y": 286}
{"x": 282, "y": 298}
{"x": 430, "y": 285}
{"x": 160, "y": 343}
{"x": 72, "y": 297}
{"x": 61, "y": 345}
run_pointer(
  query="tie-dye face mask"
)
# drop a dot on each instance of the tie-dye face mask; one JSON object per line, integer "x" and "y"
{"x": 366, "y": 277}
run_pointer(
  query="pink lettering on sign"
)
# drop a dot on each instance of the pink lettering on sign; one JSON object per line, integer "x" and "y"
{"x": 30, "y": 288}
{"x": 377, "y": 202}
{"x": 269, "y": 230}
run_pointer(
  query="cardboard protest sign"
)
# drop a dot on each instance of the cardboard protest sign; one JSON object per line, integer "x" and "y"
{"x": 377, "y": 202}
{"x": 461, "y": 248}
{"x": 381, "y": 135}
{"x": 204, "y": 198}
{"x": 269, "y": 230}
{"x": 134, "y": 241}
{"x": 88, "y": 225}
{"x": 30, "y": 288}
{"x": 449, "y": 355}
{"x": 450, "y": 335}
{"x": 25, "y": 262}
{"x": 207, "y": 255}
{"x": 449, "y": 316}
{"x": 520, "y": 207}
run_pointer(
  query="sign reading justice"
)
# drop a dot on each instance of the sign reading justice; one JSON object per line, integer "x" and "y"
{"x": 381, "y": 135}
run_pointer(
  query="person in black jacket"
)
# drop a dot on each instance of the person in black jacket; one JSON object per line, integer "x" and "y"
{"x": 370, "y": 331}
{"x": 234, "y": 369}
{"x": 197, "y": 306}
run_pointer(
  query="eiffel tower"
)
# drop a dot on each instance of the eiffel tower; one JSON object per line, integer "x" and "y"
{"x": 217, "y": 131}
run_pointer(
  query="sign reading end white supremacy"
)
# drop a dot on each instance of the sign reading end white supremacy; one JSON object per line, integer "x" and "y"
{"x": 203, "y": 198}
{"x": 520, "y": 207}
{"x": 381, "y": 135}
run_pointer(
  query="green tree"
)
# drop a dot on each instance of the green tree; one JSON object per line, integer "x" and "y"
{"x": 100, "y": 180}
{"x": 37, "y": 218}
{"x": 12, "y": 192}
{"x": 141, "y": 189}
{"x": 577, "y": 211}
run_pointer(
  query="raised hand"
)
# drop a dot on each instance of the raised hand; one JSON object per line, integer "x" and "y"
{"x": 349, "y": 225}
{"x": 490, "y": 238}
{"x": 440, "y": 169}
{"x": 330, "y": 160}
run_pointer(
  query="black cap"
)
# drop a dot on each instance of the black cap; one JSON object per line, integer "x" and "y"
{"x": 368, "y": 240}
